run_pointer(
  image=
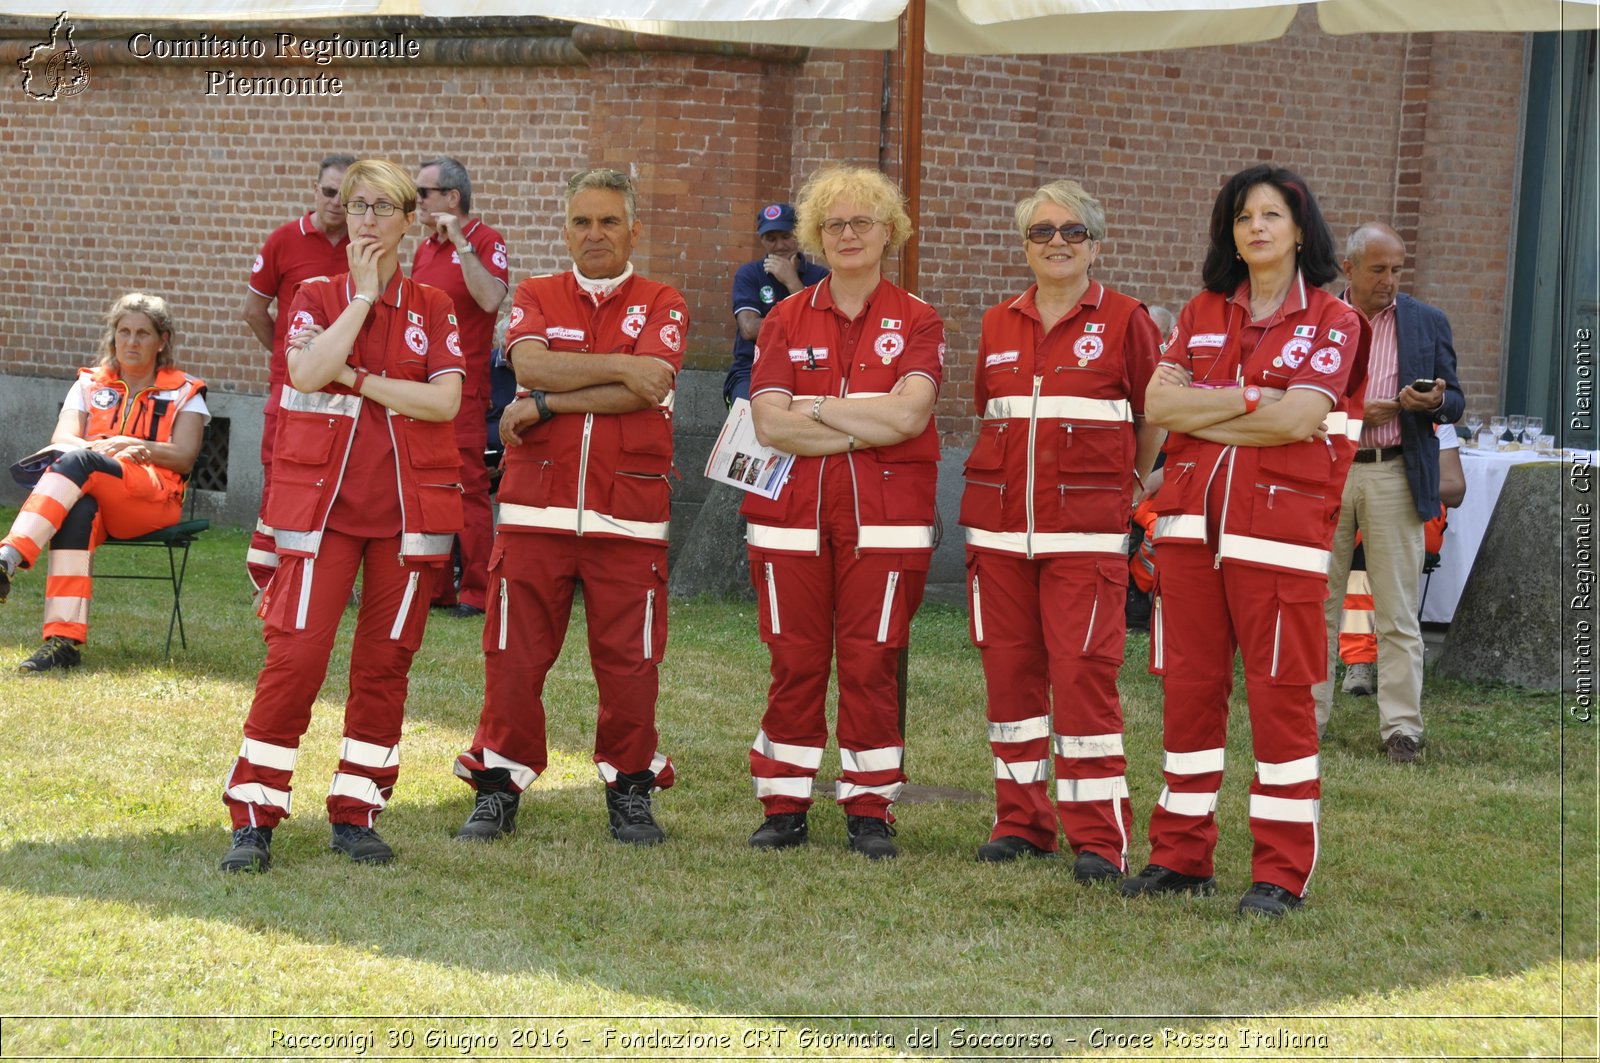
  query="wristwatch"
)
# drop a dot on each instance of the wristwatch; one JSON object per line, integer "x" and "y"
{"x": 361, "y": 378}
{"x": 544, "y": 409}
{"x": 1252, "y": 398}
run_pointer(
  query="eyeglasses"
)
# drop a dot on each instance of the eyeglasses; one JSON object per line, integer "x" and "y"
{"x": 1072, "y": 234}
{"x": 359, "y": 207}
{"x": 859, "y": 226}
{"x": 423, "y": 191}
{"x": 328, "y": 193}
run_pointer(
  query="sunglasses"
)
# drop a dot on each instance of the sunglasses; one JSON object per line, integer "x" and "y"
{"x": 423, "y": 190}
{"x": 1072, "y": 234}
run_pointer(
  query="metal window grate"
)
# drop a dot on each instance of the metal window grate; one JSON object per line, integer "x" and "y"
{"x": 211, "y": 467}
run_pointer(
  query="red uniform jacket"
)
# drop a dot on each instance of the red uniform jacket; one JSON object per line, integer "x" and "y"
{"x": 807, "y": 348}
{"x": 409, "y": 335}
{"x": 596, "y": 474}
{"x": 1051, "y": 472}
{"x": 1280, "y": 503}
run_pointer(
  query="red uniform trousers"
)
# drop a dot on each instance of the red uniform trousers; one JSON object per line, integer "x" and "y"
{"x": 302, "y": 610}
{"x": 475, "y": 540}
{"x": 858, "y": 608}
{"x": 625, "y": 602}
{"x": 261, "y": 558}
{"x": 1203, "y": 613}
{"x": 1051, "y": 631}
{"x": 81, "y": 499}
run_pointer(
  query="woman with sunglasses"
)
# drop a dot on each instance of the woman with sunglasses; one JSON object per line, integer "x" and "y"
{"x": 845, "y": 377}
{"x": 1051, "y": 480}
{"x": 1259, "y": 386}
{"x": 366, "y": 477}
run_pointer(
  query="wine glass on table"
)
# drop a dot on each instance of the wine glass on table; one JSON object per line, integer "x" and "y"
{"x": 1534, "y": 428}
{"x": 1497, "y": 425}
{"x": 1474, "y": 421}
{"x": 1516, "y": 423}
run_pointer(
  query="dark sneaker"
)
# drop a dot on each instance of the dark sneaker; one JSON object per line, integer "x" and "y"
{"x": 1263, "y": 898}
{"x": 780, "y": 831}
{"x": 1403, "y": 749}
{"x": 463, "y": 611}
{"x": 494, "y": 815}
{"x": 628, "y": 806}
{"x": 360, "y": 844}
{"x": 58, "y": 651}
{"x": 251, "y": 850}
{"x": 5, "y": 580}
{"x": 1156, "y": 879}
{"x": 1009, "y": 847}
{"x": 870, "y": 837}
{"x": 1090, "y": 868}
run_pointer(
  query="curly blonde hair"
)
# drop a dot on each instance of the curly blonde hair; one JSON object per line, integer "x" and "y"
{"x": 151, "y": 306}
{"x": 871, "y": 189}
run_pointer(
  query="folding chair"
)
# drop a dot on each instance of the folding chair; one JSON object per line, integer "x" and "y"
{"x": 176, "y": 538}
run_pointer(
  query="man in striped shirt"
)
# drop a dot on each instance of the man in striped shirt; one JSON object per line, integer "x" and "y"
{"x": 1393, "y": 486}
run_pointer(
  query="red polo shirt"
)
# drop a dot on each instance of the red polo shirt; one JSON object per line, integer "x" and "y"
{"x": 438, "y": 263}
{"x": 294, "y": 253}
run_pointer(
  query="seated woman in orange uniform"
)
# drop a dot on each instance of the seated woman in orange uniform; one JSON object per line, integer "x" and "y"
{"x": 128, "y": 434}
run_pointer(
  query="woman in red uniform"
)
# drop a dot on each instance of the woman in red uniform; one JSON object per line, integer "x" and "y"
{"x": 1062, "y": 371}
{"x": 845, "y": 377}
{"x": 365, "y": 476}
{"x": 128, "y": 434}
{"x": 1257, "y": 386}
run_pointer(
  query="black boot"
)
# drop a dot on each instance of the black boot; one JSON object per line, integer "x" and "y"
{"x": 628, "y": 806}
{"x": 494, "y": 815}
{"x": 251, "y": 851}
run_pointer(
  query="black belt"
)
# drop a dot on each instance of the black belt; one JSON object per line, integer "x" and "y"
{"x": 1385, "y": 454}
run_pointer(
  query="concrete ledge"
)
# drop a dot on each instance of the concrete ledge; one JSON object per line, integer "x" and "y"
{"x": 1508, "y": 625}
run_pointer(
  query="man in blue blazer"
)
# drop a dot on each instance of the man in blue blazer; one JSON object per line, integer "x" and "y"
{"x": 1393, "y": 487}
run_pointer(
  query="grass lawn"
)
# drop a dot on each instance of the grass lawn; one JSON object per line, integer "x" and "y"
{"x": 1453, "y": 911}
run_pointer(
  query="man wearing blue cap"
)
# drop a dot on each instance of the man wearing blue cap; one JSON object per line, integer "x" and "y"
{"x": 763, "y": 284}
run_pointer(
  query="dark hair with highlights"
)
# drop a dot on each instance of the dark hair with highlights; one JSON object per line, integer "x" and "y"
{"x": 1224, "y": 271}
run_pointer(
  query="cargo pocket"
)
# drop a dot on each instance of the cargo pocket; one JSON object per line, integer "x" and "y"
{"x": 1299, "y": 633}
{"x": 1104, "y": 636}
{"x": 983, "y": 500}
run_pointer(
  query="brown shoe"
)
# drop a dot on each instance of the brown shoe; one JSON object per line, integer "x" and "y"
{"x": 1402, "y": 749}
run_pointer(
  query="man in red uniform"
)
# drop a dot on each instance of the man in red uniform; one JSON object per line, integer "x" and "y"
{"x": 466, "y": 259}
{"x": 585, "y": 499}
{"x": 312, "y": 245}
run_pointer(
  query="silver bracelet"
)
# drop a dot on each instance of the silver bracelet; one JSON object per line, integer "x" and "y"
{"x": 369, "y": 300}
{"x": 816, "y": 408}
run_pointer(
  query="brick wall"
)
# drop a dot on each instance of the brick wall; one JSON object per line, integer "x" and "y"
{"x": 143, "y": 181}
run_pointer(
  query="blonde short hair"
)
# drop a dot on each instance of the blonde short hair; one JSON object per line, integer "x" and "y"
{"x": 881, "y": 196}
{"x": 151, "y": 306}
{"x": 386, "y": 177}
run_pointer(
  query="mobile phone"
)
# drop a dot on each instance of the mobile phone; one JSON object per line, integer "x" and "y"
{"x": 1421, "y": 385}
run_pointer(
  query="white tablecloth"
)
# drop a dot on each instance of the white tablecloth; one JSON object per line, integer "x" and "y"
{"x": 1486, "y": 475}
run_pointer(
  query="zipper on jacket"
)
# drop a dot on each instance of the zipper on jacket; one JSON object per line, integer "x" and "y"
{"x": 1227, "y": 494}
{"x": 1273, "y": 489}
{"x": 399, "y": 473}
{"x": 1033, "y": 436}
{"x": 583, "y": 470}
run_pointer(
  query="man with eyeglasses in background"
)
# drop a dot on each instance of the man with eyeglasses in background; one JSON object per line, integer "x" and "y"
{"x": 311, "y": 246}
{"x": 462, "y": 256}
{"x": 760, "y": 285}
{"x": 585, "y": 499}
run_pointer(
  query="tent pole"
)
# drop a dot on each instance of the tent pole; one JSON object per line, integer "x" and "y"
{"x": 911, "y": 133}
